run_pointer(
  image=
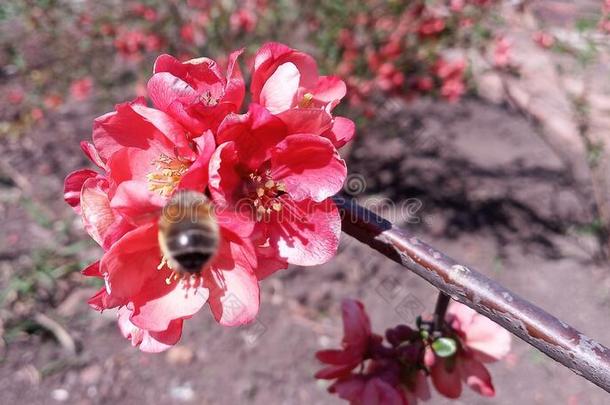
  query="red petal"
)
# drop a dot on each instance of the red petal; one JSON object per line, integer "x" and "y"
{"x": 307, "y": 233}
{"x": 309, "y": 166}
{"x": 152, "y": 342}
{"x": 73, "y": 184}
{"x": 447, "y": 383}
{"x": 132, "y": 261}
{"x": 234, "y": 293}
{"x": 158, "y": 304}
{"x": 476, "y": 376}
{"x": 196, "y": 178}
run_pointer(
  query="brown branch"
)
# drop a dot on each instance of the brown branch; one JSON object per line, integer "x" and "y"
{"x": 535, "y": 326}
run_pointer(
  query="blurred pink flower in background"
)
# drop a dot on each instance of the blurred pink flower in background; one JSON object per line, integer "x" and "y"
{"x": 80, "y": 89}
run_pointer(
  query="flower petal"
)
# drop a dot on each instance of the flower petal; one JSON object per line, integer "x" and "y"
{"x": 342, "y": 131}
{"x": 135, "y": 202}
{"x": 160, "y": 303}
{"x": 131, "y": 261}
{"x": 234, "y": 293}
{"x": 308, "y": 233}
{"x": 279, "y": 91}
{"x": 73, "y": 185}
{"x": 196, "y": 178}
{"x": 476, "y": 376}
{"x": 151, "y": 342}
{"x": 101, "y": 222}
{"x": 446, "y": 382}
{"x": 309, "y": 166}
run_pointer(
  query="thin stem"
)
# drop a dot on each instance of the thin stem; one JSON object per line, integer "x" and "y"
{"x": 442, "y": 302}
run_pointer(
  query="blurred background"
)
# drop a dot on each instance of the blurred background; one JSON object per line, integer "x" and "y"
{"x": 483, "y": 126}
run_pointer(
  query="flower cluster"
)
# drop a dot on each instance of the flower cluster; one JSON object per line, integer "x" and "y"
{"x": 368, "y": 370}
{"x": 400, "y": 50}
{"x": 269, "y": 174}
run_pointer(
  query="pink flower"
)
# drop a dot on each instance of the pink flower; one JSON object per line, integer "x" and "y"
{"x": 544, "y": 39}
{"x": 357, "y": 339}
{"x": 286, "y": 82}
{"x": 502, "y": 52}
{"x": 282, "y": 181}
{"x": 196, "y": 93}
{"x": 81, "y": 88}
{"x": 480, "y": 341}
{"x": 243, "y": 20}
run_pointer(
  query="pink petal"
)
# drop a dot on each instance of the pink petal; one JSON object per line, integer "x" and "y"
{"x": 329, "y": 90}
{"x": 151, "y": 342}
{"x": 73, "y": 185}
{"x": 342, "y": 131}
{"x": 171, "y": 129}
{"x": 235, "y": 88}
{"x": 233, "y": 287}
{"x": 272, "y": 55}
{"x": 279, "y": 92}
{"x": 309, "y": 166}
{"x": 476, "y": 376}
{"x": 306, "y": 120}
{"x": 308, "y": 233}
{"x": 164, "y": 89}
{"x": 490, "y": 341}
{"x": 131, "y": 261}
{"x": 100, "y": 220}
{"x": 92, "y": 154}
{"x": 158, "y": 304}
{"x": 135, "y": 202}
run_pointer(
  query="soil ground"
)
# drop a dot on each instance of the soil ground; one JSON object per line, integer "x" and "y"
{"x": 475, "y": 181}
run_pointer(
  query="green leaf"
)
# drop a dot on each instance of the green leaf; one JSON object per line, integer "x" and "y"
{"x": 444, "y": 347}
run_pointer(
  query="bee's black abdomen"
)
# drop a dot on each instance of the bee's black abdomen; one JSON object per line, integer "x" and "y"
{"x": 193, "y": 262}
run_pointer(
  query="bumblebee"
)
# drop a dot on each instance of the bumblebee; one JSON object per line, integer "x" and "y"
{"x": 188, "y": 232}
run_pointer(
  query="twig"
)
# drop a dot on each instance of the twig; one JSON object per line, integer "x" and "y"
{"x": 58, "y": 331}
{"x": 532, "y": 324}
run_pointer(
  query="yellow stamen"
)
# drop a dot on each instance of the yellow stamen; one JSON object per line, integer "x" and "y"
{"x": 306, "y": 101}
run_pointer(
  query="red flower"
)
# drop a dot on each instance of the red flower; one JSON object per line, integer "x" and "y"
{"x": 357, "y": 339}
{"x": 81, "y": 88}
{"x": 366, "y": 390}
{"x": 147, "y": 156}
{"x": 451, "y": 74}
{"x": 480, "y": 341}
{"x": 282, "y": 182}
{"x": 286, "y": 82}
{"x": 196, "y": 93}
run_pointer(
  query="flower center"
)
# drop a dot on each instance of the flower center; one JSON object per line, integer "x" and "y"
{"x": 266, "y": 194}
{"x": 306, "y": 101}
{"x": 169, "y": 171}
